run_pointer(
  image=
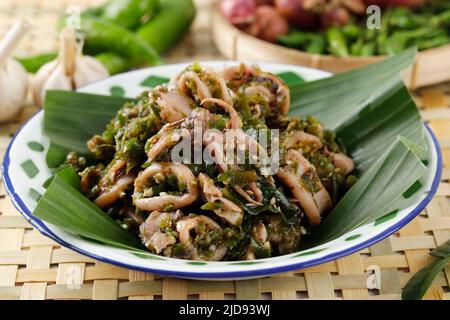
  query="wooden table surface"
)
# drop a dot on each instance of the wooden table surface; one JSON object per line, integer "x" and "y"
{"x": 34, "y": 267}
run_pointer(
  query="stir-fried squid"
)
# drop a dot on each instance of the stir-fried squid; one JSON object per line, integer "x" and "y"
{"x": 235, "y": 121}
{"x": 113, "y": 184}
{"x": 300, "y": 176}
{"x": 174, "y": 105}
{"x": 147, "y": 198}
{"x": 202, "y": 238}
{"x": 184, "y": 168}
{"x": 223, "y": 207}
{"x": 252, "y": 80}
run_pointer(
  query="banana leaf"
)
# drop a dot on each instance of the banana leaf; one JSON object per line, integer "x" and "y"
{"x": 336, "y": 99}
{"x": 367, "y": 107}
{"x": 373, "y": 114}
{"x": 378, "y": 192}
{"x": 71, "y": 118}
{"x": 79, "y": 215}
{"x": 419, "y": 283}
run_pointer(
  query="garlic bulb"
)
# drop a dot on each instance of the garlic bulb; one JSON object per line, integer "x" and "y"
{"x": 69, "y": 71}
{"x": 13, "y": 77}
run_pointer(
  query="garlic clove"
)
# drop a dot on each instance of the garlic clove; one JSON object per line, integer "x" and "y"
{"x": 19, "y": 71}
{"x": 57, "y": 80}
{"x": 88, "y": 70}
{"x": 13, "y": 77}
{"x": 13, "y": 90}
{"x": 39, "y": 80}
{"x": 69, "y": 71}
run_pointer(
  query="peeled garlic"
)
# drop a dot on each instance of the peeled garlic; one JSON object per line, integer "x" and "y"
{"x": 13, "y": 77}
{"x": 69, "y": 71}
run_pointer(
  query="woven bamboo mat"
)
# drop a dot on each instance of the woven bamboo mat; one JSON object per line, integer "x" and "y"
{"x": 34, "y": 267}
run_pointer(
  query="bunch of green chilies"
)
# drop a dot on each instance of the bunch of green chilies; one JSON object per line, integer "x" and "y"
{"x": 123, "y": 34}
{"x": 425, "y": 28}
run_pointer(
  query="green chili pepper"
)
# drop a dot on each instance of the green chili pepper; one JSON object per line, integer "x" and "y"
{"x": 400, "y": 18}
{"x": 426, "y": 33}
{"x": 401, "y": 28}
{"x": 423, "y": 44}
{"x": 307, "y": 41}
{"x": 129, "y": 13}
{"x": 34, "y": 63}
{"x": 370, "y": 34}
{"x": 380, "y": 47}
{"x": 351, "y": 31}
{"x": 337, "y": 43}
{"x": 356, "y": 47}
{"x": 399, "y": 40}
{"x": 439, "y": 6}
{"x": 112, "y": 62}
{"x": 166, "y": 27}
{"x": 368, "y": 49}
{"x": 317, "y": 44}
{"x": 443, "y": 18}
{"x": 295, "y": 39}
{"x": 396, "y": 42}
{"x": 403, "y": 18}
{"x": 101, "y": 35}
{"x": 93, "y": 11}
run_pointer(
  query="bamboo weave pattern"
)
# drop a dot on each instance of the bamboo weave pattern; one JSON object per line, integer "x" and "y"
{"x": 34, "y": 267}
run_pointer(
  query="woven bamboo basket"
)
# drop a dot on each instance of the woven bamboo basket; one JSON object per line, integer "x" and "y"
{"x": 431, "y": 67}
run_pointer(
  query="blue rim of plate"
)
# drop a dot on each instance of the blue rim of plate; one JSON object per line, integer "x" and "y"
{"x": 41, "y": 227}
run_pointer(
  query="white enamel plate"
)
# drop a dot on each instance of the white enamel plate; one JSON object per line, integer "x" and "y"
{"x": 25, "y": 170}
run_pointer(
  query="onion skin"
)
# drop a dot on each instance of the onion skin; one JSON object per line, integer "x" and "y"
{"x": 238, "y": 12}
{"x": 294, "y": 11}
{"x": 355, "y": 6}
{"x": 395, "y": 3}
{"x": 406, "y": 3}
{"x": 264, "y": 2}
{"x": 268, "y": 24}
{"x": 380, "y": 3}
{"x": 337, "y": 17}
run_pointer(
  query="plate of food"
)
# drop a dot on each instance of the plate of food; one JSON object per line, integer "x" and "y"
{"x": 225, "y": 170}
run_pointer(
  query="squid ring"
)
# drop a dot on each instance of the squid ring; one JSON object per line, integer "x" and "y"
{"x": 185, "y": 227}
{"x": 110, "y": 194}
{"x": 183, "y": 174}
